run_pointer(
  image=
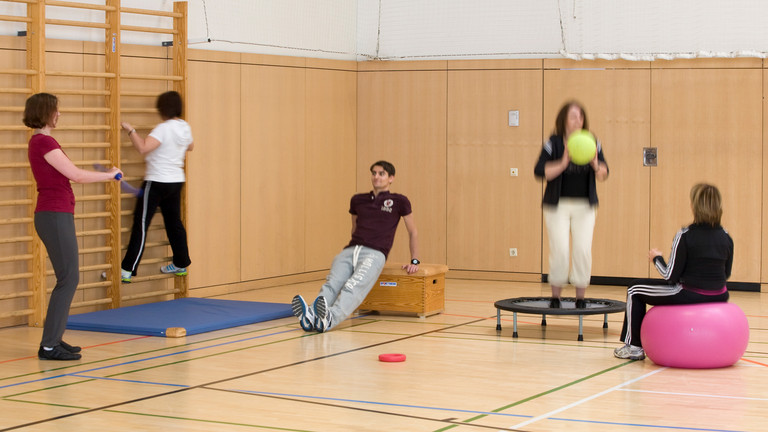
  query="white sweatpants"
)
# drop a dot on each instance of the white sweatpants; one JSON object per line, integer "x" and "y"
{"x": 571, "y": 218}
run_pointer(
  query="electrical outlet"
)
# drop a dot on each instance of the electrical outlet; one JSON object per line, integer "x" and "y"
{"x": 513, "y": 252}
{"x": 513, "y": 172}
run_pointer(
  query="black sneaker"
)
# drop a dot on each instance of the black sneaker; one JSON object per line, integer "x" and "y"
{"x": 554, "y": 303}
{"x": 57, "y": 353}
{"x": 70, "y": 348}
{"x": 581, "y": 304}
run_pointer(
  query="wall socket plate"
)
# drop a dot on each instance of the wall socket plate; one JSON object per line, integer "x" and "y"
{"x": 513, "y": 252}
{"x": 513, "y": 172}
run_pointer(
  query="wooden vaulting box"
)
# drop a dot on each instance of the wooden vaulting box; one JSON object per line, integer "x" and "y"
{"x": 421, "y": 293}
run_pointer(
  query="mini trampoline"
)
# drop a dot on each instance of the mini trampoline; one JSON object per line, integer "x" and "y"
{"x": 540, "y": 306}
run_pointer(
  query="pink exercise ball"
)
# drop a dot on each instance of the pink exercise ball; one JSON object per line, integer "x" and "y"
{"x": 695, "y": 336}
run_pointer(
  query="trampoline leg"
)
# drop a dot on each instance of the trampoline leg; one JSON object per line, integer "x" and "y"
{"x": 605, "y": 321}
{"x": 581, "y": 327}
{"x": 514, "y": 324}
{"x": 543, "y": 319}
{"x": 498, "y": 319}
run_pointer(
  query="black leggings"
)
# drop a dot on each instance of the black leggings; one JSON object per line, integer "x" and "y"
{"x": 168, "y": 197}
{"x": 645, "y": 292}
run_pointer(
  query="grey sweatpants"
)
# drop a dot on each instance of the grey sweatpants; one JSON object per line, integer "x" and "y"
{"x": 353, "y": 273}
{"x": 57, "y": 231}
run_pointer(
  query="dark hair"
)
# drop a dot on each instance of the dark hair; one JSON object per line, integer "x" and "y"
{"x": 169, "y": 105}
{"x": 706, "y": 204}
{"x": 39, "y": 110}
{"x": 563, "y": 115}
{"x": 388, "y": 167}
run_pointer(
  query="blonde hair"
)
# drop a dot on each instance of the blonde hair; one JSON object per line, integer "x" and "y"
{"x": 706, "y": 204}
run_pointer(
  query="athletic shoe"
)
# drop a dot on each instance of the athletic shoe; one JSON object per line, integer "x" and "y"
{"x": 322, "y": 314}
{"x": 70, "y": 348}
{"x": 170, "y": 268}
{"x": 630, "y": 352}
{"x": 581, "y": 304}
{"x": 554, "y": 303}
{"x": 57, "y": 353}
{"x": 125, "y": 276}
{"x": 304, "y": 313}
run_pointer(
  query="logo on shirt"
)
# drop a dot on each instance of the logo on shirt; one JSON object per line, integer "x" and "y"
{"x": 387, "y": 207}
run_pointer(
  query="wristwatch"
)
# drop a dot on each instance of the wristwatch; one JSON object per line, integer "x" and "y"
{"x": 415, "y": 261}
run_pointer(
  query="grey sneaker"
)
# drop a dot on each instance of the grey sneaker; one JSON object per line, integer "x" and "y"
{"x": 322, "y": 314}
{"x": 630, "y": 352}
{"x": 305, "y": 314}
{"x": 170, "y": 268}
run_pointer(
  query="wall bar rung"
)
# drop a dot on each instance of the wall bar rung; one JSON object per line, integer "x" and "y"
{"x": 13, "y": 203}
{"x": 17, "y": 313}
{"x": 19, "y": 294}
{"x": 79, "y": 5}
{"x": 148, "y": 29}
{"x": 16, "y": 90}
{"x": 91, "y": 302}
{"x": 93, "y": 250}
{"x": 18, "y": 71}
{"x": 15, "y": 18}
{"x": 151, "y": 12}
{"x": 81, "y": 74}
{"x": 81, "y": 92}
{"x": 76, "y": 23}
{"x": 15, "y": 221}
{"x": 16, "y": 276}
{"x": 152, "y": 77}
{"x": 16, "y": 258}
{"x": 150, "y": 294}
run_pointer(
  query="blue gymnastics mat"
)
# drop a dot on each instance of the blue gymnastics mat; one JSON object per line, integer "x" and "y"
{"x": 180, "y": 317}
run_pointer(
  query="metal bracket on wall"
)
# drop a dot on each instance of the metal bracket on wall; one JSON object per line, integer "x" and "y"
{"x": 649, "y": 156}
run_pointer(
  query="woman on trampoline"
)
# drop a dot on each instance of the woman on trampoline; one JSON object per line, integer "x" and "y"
{"x": 699, "y": 265}
{"x": 570, "y": 204}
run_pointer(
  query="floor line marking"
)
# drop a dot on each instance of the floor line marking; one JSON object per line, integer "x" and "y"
{"x": 587, "y": 399}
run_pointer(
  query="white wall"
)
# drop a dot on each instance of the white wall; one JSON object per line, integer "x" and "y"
{"x": 448, "y": 29}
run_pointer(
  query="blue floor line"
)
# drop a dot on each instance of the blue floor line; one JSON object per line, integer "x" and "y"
{"x": 130, "y": 381}
{"x": 381, "y": 403}
{"x": 145, "y": 359}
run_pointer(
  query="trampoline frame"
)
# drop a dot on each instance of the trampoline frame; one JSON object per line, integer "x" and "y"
{"x": 605, "y": 306}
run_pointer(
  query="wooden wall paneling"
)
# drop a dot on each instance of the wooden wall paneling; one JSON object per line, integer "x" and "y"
{"x": 764, "y": 195}
{"x": 490, "y": 211}
{"x": 330, "y": 165}
{"x": 618, "y": 109}
{"x": 707, "y": 124}
{"x": 213, "y": 167}
{"x": 402, "y": 119}
{"x": 273, "y": 171}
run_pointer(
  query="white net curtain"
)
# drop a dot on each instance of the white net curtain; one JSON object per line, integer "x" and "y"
{"x": 457, "y": 29}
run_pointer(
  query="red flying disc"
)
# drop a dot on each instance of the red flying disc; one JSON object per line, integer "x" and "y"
{"x": 392, "y": 357}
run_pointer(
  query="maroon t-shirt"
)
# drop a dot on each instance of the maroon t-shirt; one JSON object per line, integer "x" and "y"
{"x": 377, "y": 219}
{"x": 54, "y": 192}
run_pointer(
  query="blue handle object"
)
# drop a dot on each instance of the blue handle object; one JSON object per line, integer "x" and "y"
{"x": 118, "y": 176}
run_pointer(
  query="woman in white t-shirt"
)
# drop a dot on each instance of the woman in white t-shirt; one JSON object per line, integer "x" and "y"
{"x": 164, "y": 150}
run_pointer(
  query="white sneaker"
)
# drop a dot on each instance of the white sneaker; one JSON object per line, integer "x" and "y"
{"x": 305, "y": 314}
{"x": 125, "y": 276}
{"x": 322, "y": 314}
{"x": 630, "y": 352}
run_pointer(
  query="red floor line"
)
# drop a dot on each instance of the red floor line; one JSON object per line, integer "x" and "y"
{"x": 755, "y": 362}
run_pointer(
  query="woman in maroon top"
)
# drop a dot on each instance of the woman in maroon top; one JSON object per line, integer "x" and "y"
{"x": 54, "y": 217}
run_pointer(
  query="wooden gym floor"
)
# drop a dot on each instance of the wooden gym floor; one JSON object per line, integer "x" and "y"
{"x": 460, "y": 375}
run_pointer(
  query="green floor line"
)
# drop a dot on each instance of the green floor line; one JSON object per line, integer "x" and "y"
{"x": 536, "y": 396}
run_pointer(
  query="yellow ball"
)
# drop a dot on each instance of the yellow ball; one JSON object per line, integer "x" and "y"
{"x": 582, "y": 147}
